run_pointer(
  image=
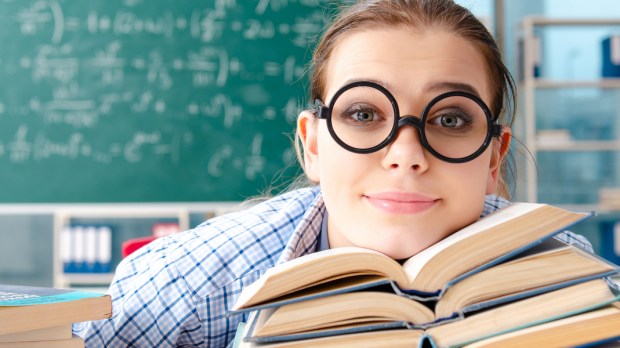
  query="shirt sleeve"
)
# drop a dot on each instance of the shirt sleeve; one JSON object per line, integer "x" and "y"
{"x": 577, "y": 240}
{"x": 151, "y": 306}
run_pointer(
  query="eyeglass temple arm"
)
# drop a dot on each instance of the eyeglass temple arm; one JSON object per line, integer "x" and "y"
{"x": 321, "y": 109}
{"x": 496, "y": 130}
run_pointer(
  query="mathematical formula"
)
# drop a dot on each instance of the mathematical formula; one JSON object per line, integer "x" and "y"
{"x": 82, "y": 68}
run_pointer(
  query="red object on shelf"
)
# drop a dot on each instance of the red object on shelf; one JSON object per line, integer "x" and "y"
{"x": 131, "y": 245}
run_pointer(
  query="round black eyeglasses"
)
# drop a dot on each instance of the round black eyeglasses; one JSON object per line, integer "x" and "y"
{"x": 363, "y": 117}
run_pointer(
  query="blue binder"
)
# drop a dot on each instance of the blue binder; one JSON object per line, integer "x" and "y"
{"x": 611, "y": 56}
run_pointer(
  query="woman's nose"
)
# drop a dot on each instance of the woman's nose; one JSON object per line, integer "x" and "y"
{"x": 406, "y": 151}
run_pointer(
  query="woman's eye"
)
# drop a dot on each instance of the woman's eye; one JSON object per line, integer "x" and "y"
{"x": 362, "y": 113}
{"x": 451, "y": 120}
{"x": 364, "y": 116}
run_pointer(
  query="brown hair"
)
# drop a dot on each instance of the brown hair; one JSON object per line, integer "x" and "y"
{"x": 421, "y": 14}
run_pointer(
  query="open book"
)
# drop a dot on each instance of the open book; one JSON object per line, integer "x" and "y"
{"x": 515, "y": 317}
{"x": 46, "y": 313}
{"x": 526, "y": 276}
{"x": 590, "y": 328}
{"x": 427, "y": 275}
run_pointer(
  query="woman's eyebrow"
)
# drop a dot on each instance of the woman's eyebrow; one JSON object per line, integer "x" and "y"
{"x": 382, "y": 83}
{"x": 443, "y": 86}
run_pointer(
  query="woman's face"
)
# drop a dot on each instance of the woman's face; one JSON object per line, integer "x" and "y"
{"x": 400, "y": 199}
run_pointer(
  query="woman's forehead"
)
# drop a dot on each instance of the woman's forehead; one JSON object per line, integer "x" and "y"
{"x": 407, "y": 61}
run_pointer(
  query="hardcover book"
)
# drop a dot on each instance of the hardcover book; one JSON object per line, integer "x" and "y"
{"x": 27, "y": 308}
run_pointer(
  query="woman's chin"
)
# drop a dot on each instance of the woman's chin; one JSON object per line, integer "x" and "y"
{"x": 399, "y": 250}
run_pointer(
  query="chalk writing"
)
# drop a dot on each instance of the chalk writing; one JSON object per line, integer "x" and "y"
{"x": 207, "y": 91}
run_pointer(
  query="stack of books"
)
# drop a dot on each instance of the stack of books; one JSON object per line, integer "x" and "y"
{"x": 36, "y": 317}
{"x": 502, "y": 281}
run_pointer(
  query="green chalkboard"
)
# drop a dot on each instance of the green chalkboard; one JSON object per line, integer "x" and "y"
{"x": 150, "y": 100}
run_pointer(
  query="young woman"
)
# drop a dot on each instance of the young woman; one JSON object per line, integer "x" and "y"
{"x": 406, "y": 145}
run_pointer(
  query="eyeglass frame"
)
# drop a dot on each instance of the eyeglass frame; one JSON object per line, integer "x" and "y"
{"x": 494, "y": 129}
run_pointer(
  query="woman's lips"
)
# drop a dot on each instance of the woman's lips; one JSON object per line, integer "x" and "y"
{"x": 400, "y": 202}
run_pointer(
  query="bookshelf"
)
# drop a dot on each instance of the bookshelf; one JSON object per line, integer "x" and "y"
{"x": 559, "y": 153}
{"x": 31, "y": 248}
{"x": 103, "y": 213}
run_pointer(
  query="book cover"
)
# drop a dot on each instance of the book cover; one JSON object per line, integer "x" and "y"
{"x": 24, "y": 308}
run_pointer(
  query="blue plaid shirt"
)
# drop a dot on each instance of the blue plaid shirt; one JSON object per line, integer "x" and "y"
{"x": 176, "y": 291}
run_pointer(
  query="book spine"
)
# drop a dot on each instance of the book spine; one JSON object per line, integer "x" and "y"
{"x": 90, "y": 248}
{"x": 427, "y": 341}
{"x": 416, "y": 294}
{"x": 78, "y": 249}
{"x": 104, "y": 248}
{"x": 66, "y": 252}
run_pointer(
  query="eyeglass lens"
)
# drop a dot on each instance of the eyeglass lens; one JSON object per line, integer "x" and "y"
{"x": 455, "y": 126}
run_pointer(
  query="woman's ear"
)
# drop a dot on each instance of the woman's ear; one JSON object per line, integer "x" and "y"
{"x": 307, "y": 130}
{"x": 500, "y": 150}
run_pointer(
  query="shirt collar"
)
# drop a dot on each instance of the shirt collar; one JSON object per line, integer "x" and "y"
{"x": 323, "y": 243}
{"x": 305, "y": 236}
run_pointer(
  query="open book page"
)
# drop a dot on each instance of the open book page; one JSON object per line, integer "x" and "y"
{"x": 414, "y": 265}
{"x": 527, "y": 312}
{"x": 550, "y": 265}
{"x": 487, "y": 242}
{"x": 582, "y": 329}
{"x": 318, "y": 268}
{"x": 406, "y": 338}
{"x": 330, "y": 288}
{"x": 333, "y": 311}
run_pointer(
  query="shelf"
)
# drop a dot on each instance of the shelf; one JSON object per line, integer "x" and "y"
{"x": 87, "y": 278}
{"x": 599, "y": 83}
{"x": 64, "y": 214}
{"x": 572, "y": 145}
{"x": 542, "y": 21}
{"x": 63, "y": 217}
{"x": 127, "y": 209}
{"x": 532, "y": 30}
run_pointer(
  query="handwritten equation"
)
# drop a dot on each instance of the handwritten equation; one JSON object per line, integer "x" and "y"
{"x": 214, "y": 86}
